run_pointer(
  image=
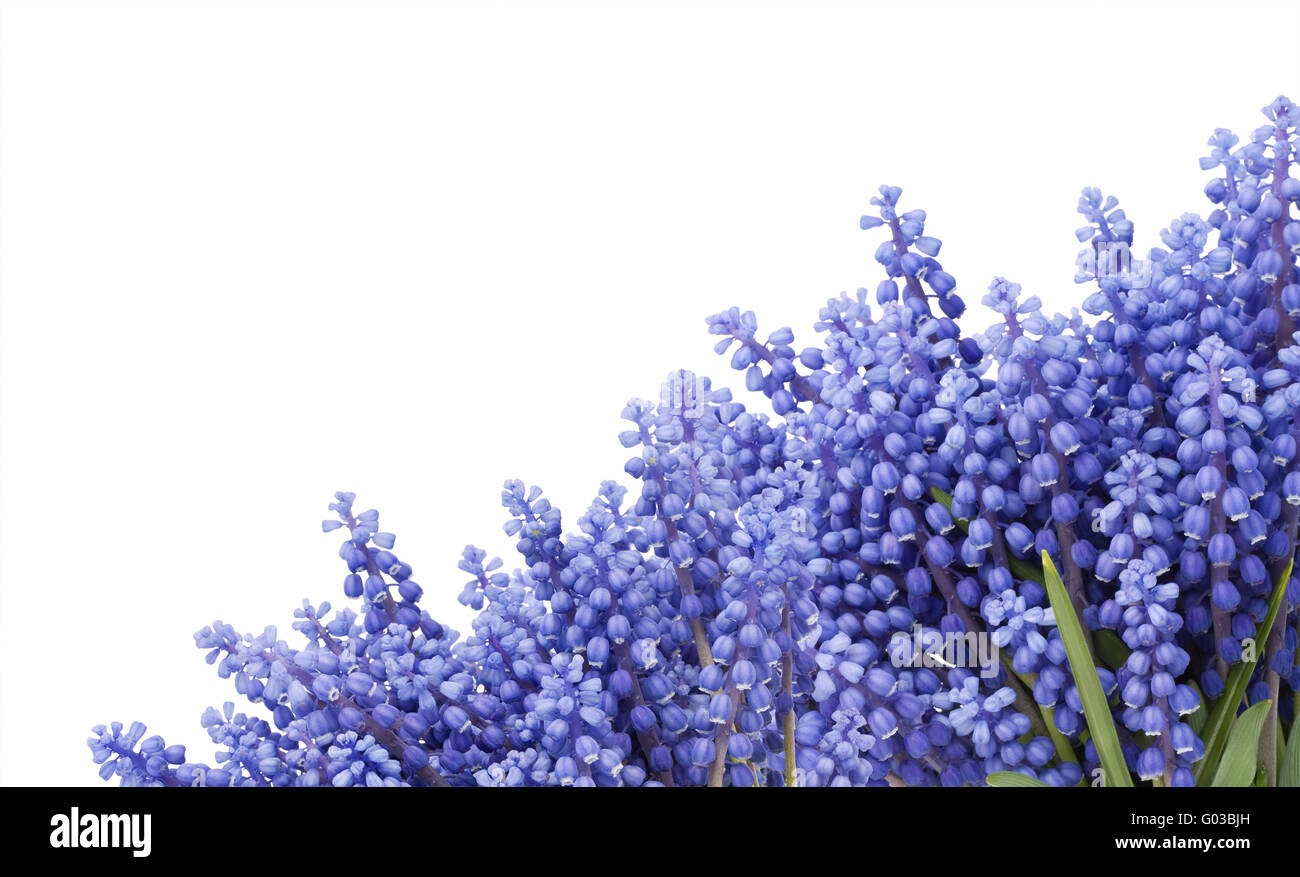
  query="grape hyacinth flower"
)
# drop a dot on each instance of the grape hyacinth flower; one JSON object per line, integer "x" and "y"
{"x": 777, "y": 597}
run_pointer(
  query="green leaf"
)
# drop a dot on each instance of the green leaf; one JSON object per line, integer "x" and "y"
{"x": 1096, "y": 710}
{"x": 1288, "y": 775}
{"x": 1110, "y": 648}
{"x": 1225, "y": 708}
{"x": 1240, "y": 756}
{"x": 1009, "y": 779}
{"x": 942, "y": 496}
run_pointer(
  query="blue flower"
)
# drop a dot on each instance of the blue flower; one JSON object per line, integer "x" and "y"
{"x": 768, "y": 601}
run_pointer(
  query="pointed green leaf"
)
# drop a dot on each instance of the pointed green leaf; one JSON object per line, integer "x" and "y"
{"x": 1096, "y": 710}
{"x": 1009, "y": 779}
{"x": 1225, "y": 708}
{"x": 1288, "y": 775}
{"x": 942, "y": 496}
{"x": 1240, "y": 756}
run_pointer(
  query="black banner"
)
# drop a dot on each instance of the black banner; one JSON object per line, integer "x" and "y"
{"x": 135, "y": 827}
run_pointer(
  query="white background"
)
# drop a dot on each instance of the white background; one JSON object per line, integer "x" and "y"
{"x": 254, "y": 253}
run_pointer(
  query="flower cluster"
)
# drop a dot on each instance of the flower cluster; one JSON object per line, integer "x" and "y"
{"x": 842, "y": 592}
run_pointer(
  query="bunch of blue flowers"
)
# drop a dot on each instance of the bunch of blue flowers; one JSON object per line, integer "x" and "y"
{"x": 862, "y": 587}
